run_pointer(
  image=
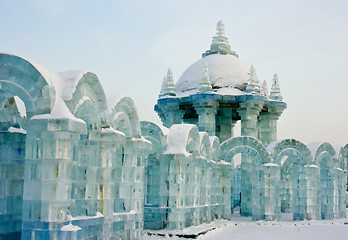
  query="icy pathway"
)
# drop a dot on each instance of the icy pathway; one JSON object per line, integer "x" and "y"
{"x": 241, "y": 228}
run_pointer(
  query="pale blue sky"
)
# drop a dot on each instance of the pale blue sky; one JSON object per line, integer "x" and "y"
{"x": 130, "y": 45}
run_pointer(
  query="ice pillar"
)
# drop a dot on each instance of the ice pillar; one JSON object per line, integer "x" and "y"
{"x": 12, "y": 155}
{"x": 168, "y": 110}
{"x": 225, "y": 126}
{"x": 51, "y": 147}
{"x": 206, "y": 111}
{"x": 267, "y": 122}
{"x": 271, "y": 201}
{"x": 312, "y": 187}
{"x": 249, "y": 112}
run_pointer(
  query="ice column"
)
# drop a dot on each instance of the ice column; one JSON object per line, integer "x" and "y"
{"x": 299, "y": 191}
{"x": 227, "y": 173}
{"x": 168, "y": 110}
{"x": 226, "y": 124}
{"x": 327, "y": 190}
{"x": 110, "y": 142}
{"x": 206, "y": 108}
{"x": 312, "y": 187}
{"x": 267, "y": 122}
{"x": 12, "y": 155}
{"x": 271, "y": 198}
{"x": 246, "y": 187}
{"x": 51, "y": 147}
{"x": 249, "y": 112}
{"x": 339, "y": 193}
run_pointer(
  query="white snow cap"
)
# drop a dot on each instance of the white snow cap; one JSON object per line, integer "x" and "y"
{"x": 225, "y": 71}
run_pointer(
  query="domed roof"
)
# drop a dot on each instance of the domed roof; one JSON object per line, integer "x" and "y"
{"x": 225, "y": 71}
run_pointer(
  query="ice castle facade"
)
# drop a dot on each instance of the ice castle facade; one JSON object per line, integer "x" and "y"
{"x": 73, "y": 166}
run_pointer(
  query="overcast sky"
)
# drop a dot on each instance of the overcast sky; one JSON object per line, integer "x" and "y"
{"x": 131, "y": 44}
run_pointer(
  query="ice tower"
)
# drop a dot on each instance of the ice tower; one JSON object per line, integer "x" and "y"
{"x": 217, "y": 91}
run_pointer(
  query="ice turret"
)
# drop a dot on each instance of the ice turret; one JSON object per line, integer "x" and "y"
{"x": 275, "y": 90}
{"x": 253, "y": 84}
{"x": 220, "y": 43}
{"x": 168, "y": 87}
{"x": 265, "y": 89}
{"x": 205, "y": 83}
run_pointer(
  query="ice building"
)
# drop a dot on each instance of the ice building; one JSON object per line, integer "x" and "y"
{"x": 71, "y": 167}
{"x": 74, "y": 167}
{"x": 274, "y": 175}
{"x": 217, "y": 91}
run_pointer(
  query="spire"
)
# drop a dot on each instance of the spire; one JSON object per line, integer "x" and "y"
{"x": 205, "y": 83}
{"x": 168, "y": 87}
{"x": 253, "y": 84}
{"x": 275, "y": 90}
{"x": 220, "y": 29}
{"x": 265, "y": 89}
{"x": 220, "y": 43}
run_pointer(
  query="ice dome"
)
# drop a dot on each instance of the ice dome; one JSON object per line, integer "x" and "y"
{"x": 225, "y": 71}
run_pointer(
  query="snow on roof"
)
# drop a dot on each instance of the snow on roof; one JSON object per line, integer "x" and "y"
{"x": 225, "y": 71}
{"x": 271, "y": 165}
{"x": 230, "y": 91}
{"x": 17, "y": 130}
{"x": 70, "y": 227}
{"x": 112, "y": 131}
{"x": 59, "y": 111}
{"x": 178, "y": 138}
{"x": 312, "y": 166}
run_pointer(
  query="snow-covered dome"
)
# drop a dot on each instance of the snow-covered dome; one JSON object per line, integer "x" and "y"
{"x": 225, "y": 71}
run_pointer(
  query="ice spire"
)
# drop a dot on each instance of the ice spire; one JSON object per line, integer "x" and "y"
{"x": 220, "y": 29}
{"x": 275, "y": 90}
{"x": 205, "y": 83}
{"x": 168, "y": 87}
{"x": 220, "y": 43}
{"x": 265, "y": 89}
{"x": 253, "y": 84}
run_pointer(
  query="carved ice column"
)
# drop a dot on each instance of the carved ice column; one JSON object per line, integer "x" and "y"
{"x": 110, "y": 143}
{"x": 267, "y": 122}
{"x": 249, "y": 112}
{"x": 51, "y": 150}
{"x": 169, "y": 112}
{"x": 206, "y": 108}
{"x": 226, "y": 124}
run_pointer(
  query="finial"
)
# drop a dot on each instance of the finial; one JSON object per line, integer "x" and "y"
{"x": 275, "y": 90}
{"x": 252, "y": 73}
{"x": 168, "y": 87}
{"x": 265, "y": 89}
{"x": 220, "y": 29}
{"x": 253, "y": 83}
{"x": 220, "y": 43}
{"x": 205, "y": 83}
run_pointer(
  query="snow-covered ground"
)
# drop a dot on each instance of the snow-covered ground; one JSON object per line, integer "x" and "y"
{"x": 240, "y": 228}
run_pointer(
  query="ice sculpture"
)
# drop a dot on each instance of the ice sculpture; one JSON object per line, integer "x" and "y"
{"x": 74, "y": 167}
{"x": 76, "y": 171}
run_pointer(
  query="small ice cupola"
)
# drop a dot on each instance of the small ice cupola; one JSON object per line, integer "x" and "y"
{"x": 220, "y": 43}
